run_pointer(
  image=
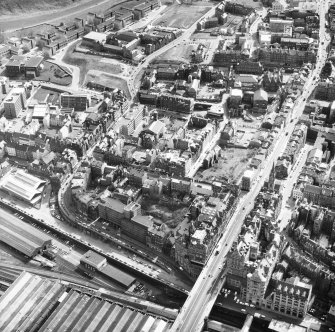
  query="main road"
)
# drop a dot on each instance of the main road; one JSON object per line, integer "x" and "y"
{"x": 210, "y": 281}
{"x": 185, "y": 36}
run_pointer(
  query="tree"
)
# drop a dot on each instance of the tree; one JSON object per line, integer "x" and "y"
{"x": 46, "y": 55}
{"x": 326, "y": 70}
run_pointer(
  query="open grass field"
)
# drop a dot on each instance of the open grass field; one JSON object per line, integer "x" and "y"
{"x": 232, "y": 164}
{"x": 107, "y": 80}
{"x": 54, "y": 74}
{"x": 44, "y": 95}
{"x": 183, "y": 16}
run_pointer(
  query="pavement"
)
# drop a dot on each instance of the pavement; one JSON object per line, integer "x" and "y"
{"x": 75, "y": 70}
{"x": 230, "y": 303}
{"x": 58, "y": 60}
{"x": 286, "y": 210}
{"x": 204, "y": 293}
{"x": 184, "y": 37}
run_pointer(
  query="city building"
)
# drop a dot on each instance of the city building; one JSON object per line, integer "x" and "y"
{"x": 260, "y": 101}
{"x": 79, "y": 102}
{"x": 247, "y": 180}
{"x": 277, "y": 7}
{"x": 38, "y": 295}
{"x": 176, "y": 103}
{"x": 15, "y": 102}
{"x": 23, "y": 186}
{"x": 235, "y": 98}
{"x": 23, "y": 237}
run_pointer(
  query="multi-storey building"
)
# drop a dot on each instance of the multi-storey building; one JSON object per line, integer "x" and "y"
{"x": 145, "y": 8}
{"x": 15, "y": 102}
{"x": 79, "y": 102}
{"x": 237, "y": 9}
{"x": 4, "y": 50}
{"x": 272, "y": 81}
{"x": 249, "y": 67}
{"x": 15, "y": 66}
{"x": 298, "y": 43}
{"x": 280, "y": 25}
{"x": 325, "y": 91}
{"x": 193, "y": 245}
{"x": 229, "y": 57}
{"x": 123, "y": 17}
{"x": 290, "y": 297}
{"x": 250, "y": 271}
{"x": 260, "y": 100}
{"x": 247, "y": 179}
{"x": 277, "y": 7}
{"x": 275, "y": 56}
{"x": 176, "y": 103}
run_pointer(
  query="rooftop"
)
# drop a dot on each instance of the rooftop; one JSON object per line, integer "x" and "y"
{"x": 24, "y": 185}
{"x": 119, "y": 276}
{"x": 76, "y": 310}
{"x": 145, "y": 221}
{"x": 34, "y": 61}
{"x": 93, "y": 259}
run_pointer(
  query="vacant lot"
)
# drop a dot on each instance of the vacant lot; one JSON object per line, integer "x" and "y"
{"x": 232, "y": 164}
{"x": 169, "y": 215}
{"x": 248, "y": 3}
{"x": 183, "y": 16}
{"x": 44, "y": 95}
{"x": 180, "y": 53}
{"x": 87, "y": 62}
{"x": 108, "y": 80}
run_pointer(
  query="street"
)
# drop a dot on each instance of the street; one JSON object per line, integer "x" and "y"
{"x": 185, "y": 36}
{"x": 202, "y": 297}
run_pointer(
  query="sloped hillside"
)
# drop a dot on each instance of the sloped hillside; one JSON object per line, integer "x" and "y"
{"x": 8, "y": 7}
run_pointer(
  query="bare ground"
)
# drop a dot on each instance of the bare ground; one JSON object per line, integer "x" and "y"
{"x": 183, "y": 16}
{"x": 232, "y": 164}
